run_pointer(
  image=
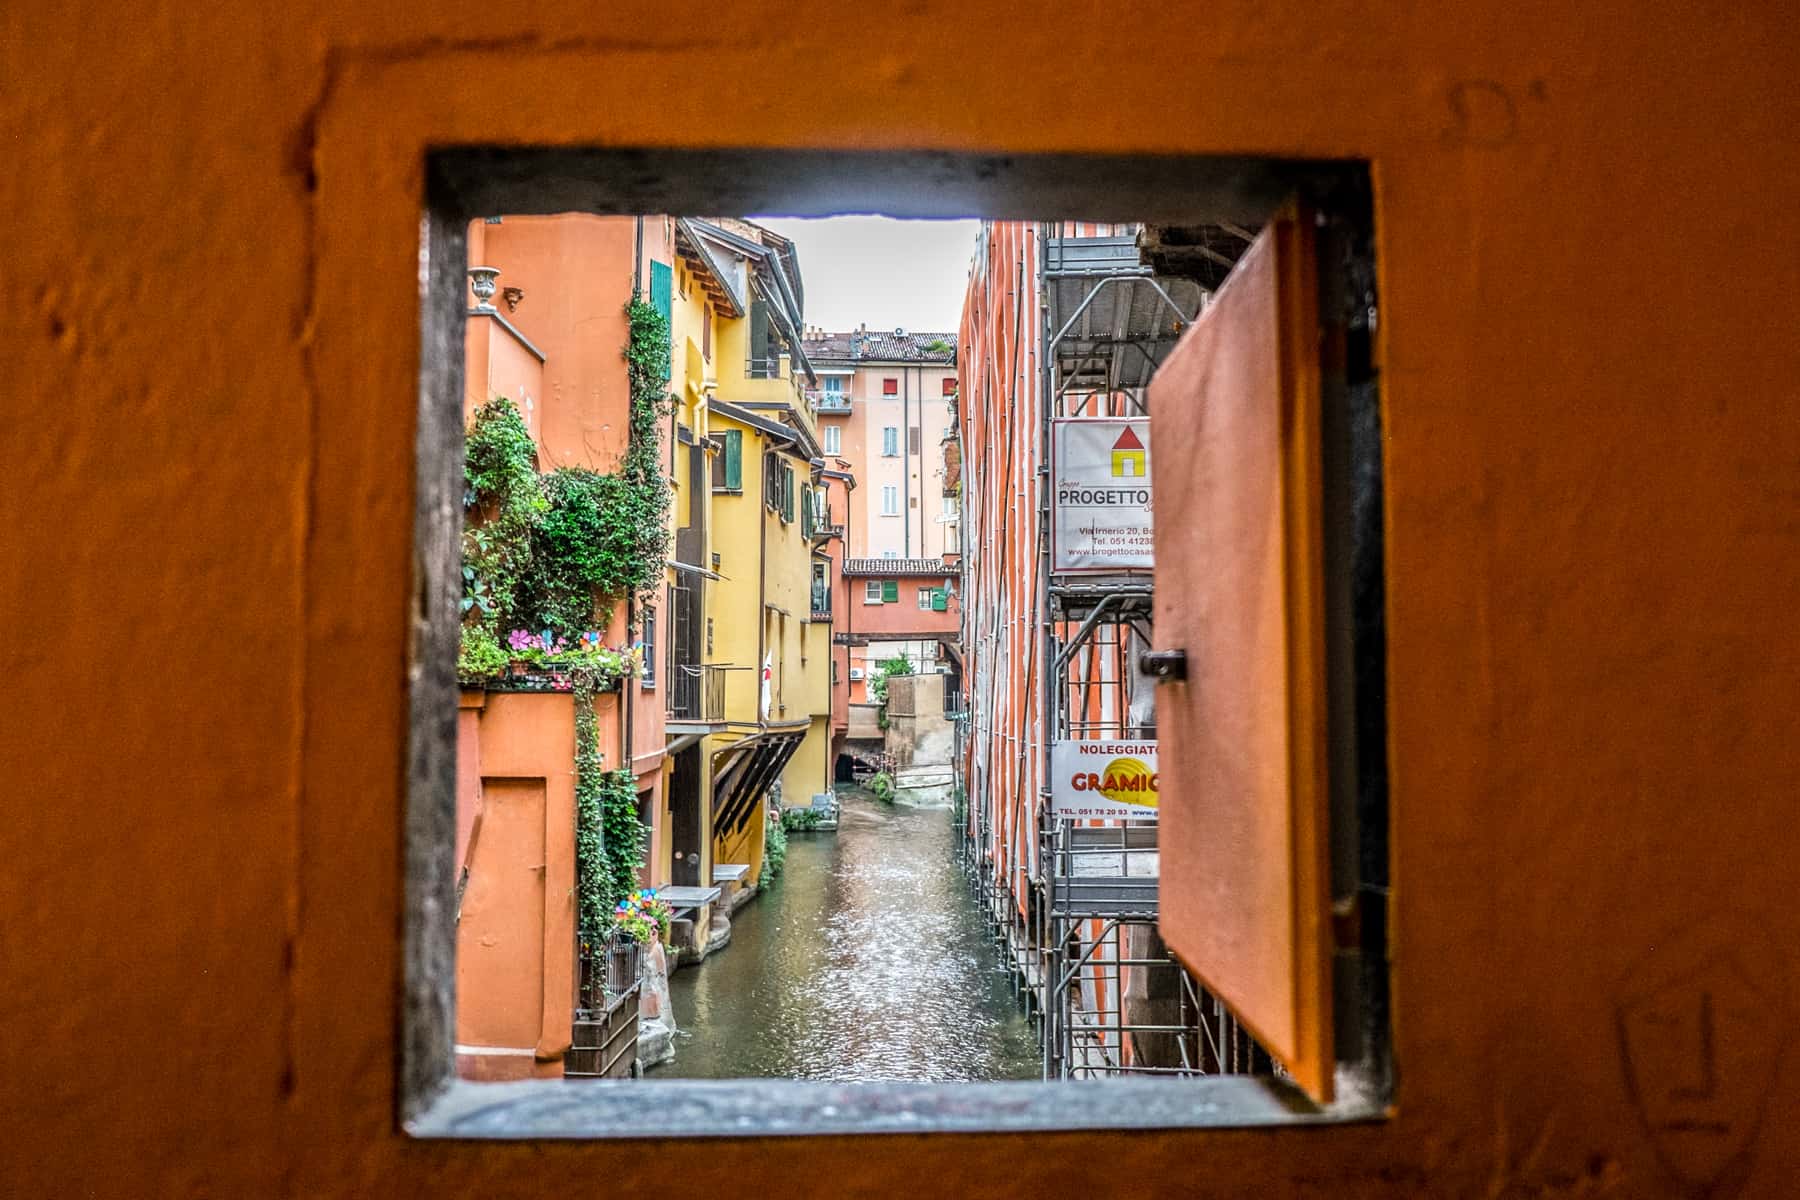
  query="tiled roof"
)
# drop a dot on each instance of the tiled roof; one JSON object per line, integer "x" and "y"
{"x": 880, "y": 345}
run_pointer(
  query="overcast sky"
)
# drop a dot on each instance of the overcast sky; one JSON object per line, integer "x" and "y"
{"x": 876, "y": 270}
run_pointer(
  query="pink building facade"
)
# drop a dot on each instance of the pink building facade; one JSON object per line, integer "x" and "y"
{"x": 887, "y": 415}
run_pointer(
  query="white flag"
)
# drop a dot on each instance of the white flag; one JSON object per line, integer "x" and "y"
{"x": 768, "y": 676}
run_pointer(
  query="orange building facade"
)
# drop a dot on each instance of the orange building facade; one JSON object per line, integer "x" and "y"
{"x": 999, "y": 382}
{"x": 550, "y": 336}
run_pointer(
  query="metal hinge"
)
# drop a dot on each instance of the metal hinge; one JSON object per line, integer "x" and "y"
{"x": 1166, "y": 666}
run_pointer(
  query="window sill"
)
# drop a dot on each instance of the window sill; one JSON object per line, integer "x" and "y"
{"x": 547, "y": 1108}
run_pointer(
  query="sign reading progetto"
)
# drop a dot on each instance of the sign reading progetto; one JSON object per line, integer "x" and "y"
{"x": 1101, "y": 479}
{"x": 1103, "y": 780}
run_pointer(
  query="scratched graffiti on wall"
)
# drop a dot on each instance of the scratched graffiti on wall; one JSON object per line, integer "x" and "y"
{"x": 1702, "y": 1021}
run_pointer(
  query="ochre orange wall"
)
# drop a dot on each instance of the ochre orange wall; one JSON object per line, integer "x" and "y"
{"x": 515, "y": 738}
{"x": 1588, "y": 248}
{"x": 576, "y": 273}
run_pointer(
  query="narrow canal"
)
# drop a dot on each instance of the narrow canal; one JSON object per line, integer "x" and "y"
{"x": 866, "y": 960}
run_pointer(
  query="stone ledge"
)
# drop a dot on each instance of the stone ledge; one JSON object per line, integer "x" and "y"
{"x": 789, "y": 1108}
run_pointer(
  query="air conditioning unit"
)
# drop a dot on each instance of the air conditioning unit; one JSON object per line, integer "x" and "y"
{"x": 856, "y": 672}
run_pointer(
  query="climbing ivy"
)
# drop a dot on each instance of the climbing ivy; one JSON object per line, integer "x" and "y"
{"x": 609, "y": 838}
{"x": 587, "y": 544}
{"x": 593, "y": 915}
{"x": 499, "y": 457}
{"x": 646, "y": 512}
{"x": 544, "y": 559}
{"x": 552, "y": 553}
{"x": 623, "y": 834}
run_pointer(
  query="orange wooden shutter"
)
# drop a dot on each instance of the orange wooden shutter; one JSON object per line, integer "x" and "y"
{"x": 1235, "y": 442}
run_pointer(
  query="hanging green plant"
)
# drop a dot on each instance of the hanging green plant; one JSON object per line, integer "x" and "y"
{"x": 610, "y": 841}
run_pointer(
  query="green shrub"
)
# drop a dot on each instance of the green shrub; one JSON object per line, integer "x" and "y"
{"x": 499, "y": 458}
{"x": 881, "y": 786}
{"x": 480, "y": 655}
{"x": 775, "y": 849}
{"x": 801, "y": 820}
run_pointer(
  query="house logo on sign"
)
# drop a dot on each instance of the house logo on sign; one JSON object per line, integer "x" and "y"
{"x": 1128, "y": 456}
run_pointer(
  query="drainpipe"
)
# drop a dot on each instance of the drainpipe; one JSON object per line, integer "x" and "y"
{"x": 905, "y": 463}
{"x": 628, "y": 690}
{"x": 849, "y": 614}
{"x": 762, "y": 584}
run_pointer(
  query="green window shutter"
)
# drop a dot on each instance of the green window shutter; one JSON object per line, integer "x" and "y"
{"x": 890, "y": 591}
{"x": 787, "y": 493}
{"x": 734, "y": 460}
{"x": 662, "y": 289}
{"x": 939, "y": 601}
{"x": 662, "y": 299}
{"x": 806, "y": 512}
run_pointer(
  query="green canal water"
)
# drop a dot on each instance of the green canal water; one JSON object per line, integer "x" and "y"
{"x": 866, "y": 960}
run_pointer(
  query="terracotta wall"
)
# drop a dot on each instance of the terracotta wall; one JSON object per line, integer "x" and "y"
{"x": 1588, "y": 249}
{"x": 998, "y": 369}
{"x": 904, "y": 618}
{"x": 515, "y": 1002}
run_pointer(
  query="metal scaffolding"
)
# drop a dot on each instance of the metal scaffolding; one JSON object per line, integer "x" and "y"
{"x": 1054, "y": 654}
{"x": 1112, "y": 1000}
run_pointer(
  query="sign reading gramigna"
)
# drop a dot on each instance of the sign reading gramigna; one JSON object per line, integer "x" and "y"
{"x": 1105, "y": 780}
{"x": 1101, "y": 478}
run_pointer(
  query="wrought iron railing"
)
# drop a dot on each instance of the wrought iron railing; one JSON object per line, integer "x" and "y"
{"x": 697, "y": 693}
{"x": 606, "y": 967}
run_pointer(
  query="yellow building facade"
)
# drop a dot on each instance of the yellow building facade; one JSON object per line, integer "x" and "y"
{"x": 745, "y": 469}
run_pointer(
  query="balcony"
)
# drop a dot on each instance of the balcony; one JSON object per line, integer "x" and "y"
{"x": 821, "y": 603}
{"x": 891, "y": 567}
{"x": 697, "y": 695}
{"x": 828, "y": 402}
{"x": 604, "y": 1037}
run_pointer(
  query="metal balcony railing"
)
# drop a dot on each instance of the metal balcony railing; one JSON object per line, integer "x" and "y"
{"x": 606, "y": 967}
{"x": 698, "y": 693}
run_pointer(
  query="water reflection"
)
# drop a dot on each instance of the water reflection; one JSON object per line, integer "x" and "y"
{"x": 867, "y": 960}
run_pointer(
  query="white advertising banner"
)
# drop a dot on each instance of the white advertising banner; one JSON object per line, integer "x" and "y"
{"x": 1103, "y": 780}
{"x": 1101, "y": 477}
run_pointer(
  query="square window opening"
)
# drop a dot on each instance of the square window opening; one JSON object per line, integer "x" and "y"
{"x": 1179, "y": 205}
